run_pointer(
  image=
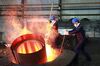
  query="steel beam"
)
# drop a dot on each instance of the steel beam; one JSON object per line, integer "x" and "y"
{"x": 60, "y": 9}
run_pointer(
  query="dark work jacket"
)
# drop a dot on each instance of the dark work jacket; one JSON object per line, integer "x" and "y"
{"x": 80, "y": 35}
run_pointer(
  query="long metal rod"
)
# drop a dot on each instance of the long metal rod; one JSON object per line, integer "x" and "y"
{"x": 62, "y": 43}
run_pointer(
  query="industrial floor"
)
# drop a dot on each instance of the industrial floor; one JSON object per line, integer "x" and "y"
{"x": 93, "y": 48}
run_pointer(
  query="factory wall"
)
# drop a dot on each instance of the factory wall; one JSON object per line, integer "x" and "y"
{"x": 9, "y": 2}
{"x": 91, "y": 27}
{"x": 79, "y": 1}
{"x": 94, "y": 17}
{"x": 41, "y": 11}
{"x": 87, "y": 5}
{"x": 2, "y": 29}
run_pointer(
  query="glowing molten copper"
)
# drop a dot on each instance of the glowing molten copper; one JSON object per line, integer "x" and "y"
{"x": 29, "y": 46}
{"x": 52, "y": 53}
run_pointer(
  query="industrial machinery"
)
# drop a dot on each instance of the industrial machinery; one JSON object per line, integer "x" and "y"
{"x": 29, "y": 49}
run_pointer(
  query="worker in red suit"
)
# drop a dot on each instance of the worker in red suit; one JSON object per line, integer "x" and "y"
{"x": 81, "y": 39}
{"x": 54, "y": 23}
{"x": 58, "y": 38}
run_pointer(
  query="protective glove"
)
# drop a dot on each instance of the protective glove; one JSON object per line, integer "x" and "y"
{"x": 66, "y": 32}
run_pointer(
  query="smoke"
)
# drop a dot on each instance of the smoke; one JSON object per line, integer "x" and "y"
{"x": 14, "y": 26}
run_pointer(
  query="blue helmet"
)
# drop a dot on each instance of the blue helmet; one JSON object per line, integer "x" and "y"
{"x": 52, "y": 17}
{"x": 74, "y": 20}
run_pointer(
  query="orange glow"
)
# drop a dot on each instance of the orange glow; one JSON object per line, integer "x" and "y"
{"x": 14, "y": 28}
{"x": 25, "y": 31}
{"x": 29, "y": 46}
{"x": 52, "y": 53}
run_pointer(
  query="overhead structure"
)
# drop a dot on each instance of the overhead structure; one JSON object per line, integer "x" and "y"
{"x": 61, "y": 8}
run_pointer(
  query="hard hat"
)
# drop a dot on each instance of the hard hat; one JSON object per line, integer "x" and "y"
{"x": 74, "y": 20}
{"x": 52, "y": 17}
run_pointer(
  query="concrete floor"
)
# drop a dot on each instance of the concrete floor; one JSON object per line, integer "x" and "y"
{"x": 93, "y": 48}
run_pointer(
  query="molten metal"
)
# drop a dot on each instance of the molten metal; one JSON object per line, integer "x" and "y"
{"x": 51, "y": 53}
{"x": 29, "y": 46}
{"x": 29, "y": 49}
